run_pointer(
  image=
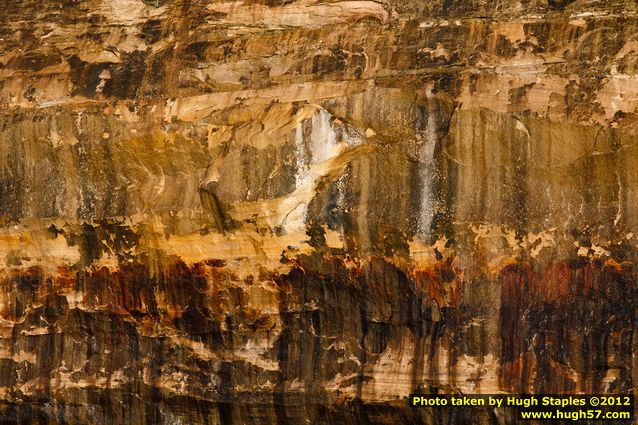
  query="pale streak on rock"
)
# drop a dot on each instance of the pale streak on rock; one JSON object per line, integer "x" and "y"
{"x": 305, "y": 13}
{"x": 197, "y": 107}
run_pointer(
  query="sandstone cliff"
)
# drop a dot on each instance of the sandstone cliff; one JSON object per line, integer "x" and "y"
{"x": 300, "y": 211}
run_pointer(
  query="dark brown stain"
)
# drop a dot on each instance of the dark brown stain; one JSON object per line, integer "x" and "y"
{"x": 568, "y": 317}
{"x": 563, "y": 324}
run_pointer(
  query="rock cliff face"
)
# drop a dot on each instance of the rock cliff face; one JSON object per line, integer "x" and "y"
{"x": 300, "y": 211}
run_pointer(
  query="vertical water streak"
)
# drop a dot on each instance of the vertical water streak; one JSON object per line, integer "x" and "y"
{"x": 314, "y": 149}
{"x": 302, "y": 168}
{"x": 323, "y": 140}
{"x": 427, "y": 143}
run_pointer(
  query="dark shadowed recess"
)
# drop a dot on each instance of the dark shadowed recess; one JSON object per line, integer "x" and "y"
{"x": 298, "y": 410}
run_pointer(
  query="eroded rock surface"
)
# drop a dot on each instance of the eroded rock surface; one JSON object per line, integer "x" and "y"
{"x": 300, "y": 212}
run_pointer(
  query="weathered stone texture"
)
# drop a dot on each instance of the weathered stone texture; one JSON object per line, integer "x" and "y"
{"x": 295, "y": 211}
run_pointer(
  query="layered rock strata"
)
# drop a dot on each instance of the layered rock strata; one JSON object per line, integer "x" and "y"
{"x": 301, "y": 211}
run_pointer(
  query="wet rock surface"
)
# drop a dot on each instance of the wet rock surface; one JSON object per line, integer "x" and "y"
{"x": 301, "y": 212}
